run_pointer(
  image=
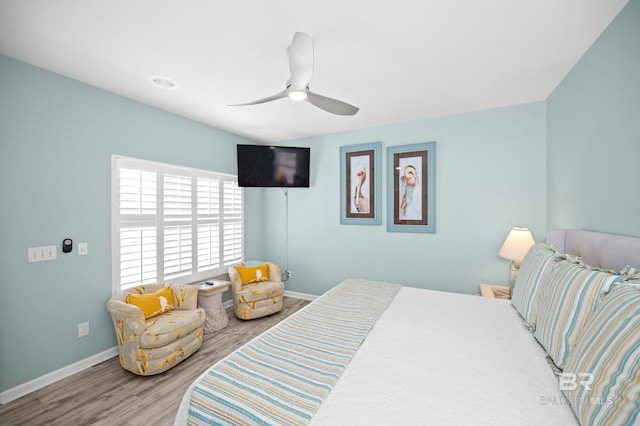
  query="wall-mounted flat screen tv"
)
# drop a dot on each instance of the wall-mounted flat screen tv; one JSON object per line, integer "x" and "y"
{"x": 273, "y": 166}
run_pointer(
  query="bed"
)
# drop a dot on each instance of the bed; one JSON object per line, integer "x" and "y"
{"x": 371, "y": 352}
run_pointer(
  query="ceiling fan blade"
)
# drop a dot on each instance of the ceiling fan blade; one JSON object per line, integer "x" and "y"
{"x": 333, "y": 106}
{"x": 300, "y": 60}
{"x": 282, "y": 94}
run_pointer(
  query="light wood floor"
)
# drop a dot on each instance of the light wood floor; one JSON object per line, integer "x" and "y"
{"x": 106, "y": 394}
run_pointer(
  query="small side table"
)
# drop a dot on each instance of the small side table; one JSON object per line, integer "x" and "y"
{"x": 210, "y": 299}
{"x": 495, "y": 291}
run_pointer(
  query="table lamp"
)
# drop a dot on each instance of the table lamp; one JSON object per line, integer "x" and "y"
{"x": 514, "y": 248}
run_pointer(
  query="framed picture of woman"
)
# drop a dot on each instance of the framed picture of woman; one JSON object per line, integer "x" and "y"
{"x": 360, "y": 188}
{"x": 411, "y": 188}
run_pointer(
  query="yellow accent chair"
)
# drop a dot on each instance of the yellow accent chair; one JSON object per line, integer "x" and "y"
{"x": 257, "y": 290}
{"x": 156, "y": 329}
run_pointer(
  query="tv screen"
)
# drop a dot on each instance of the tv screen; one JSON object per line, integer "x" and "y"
{"x": 273, "y": 166}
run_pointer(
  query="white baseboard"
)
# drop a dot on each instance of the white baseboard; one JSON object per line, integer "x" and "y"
{"x": 42, "y": 381}
{"x": 303, "y": 296}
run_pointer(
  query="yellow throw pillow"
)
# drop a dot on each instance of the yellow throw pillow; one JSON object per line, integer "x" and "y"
{"x": 253, "y": 274}
{"x": 153, "y": 304}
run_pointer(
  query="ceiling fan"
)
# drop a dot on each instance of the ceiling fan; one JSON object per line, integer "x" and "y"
{"x": 301, "y": 68}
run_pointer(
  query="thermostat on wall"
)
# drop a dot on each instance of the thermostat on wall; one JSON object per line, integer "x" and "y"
{"x": 67, "y": 245}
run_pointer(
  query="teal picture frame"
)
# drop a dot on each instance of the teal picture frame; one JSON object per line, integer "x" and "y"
{"x": 411, "y": 188}
{"x": 361, "y": 184}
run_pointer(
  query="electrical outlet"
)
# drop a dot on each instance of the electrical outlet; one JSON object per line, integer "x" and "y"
{"x": 288, "y": 274}
{"x": 83, "y": 329}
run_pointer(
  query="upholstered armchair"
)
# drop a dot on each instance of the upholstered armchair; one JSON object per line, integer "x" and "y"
{"x": 157, "y": 326}
{"x": 257, "y": 290}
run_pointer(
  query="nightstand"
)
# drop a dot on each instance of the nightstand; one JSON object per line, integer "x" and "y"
{"x": 210, "y": 299}
{"x": 495, "y": 291}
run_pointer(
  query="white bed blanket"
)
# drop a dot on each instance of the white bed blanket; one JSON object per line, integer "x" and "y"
{"x": 441, "y": 358}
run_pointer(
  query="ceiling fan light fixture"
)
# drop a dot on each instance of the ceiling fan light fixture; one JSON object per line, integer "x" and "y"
{"x": 298, "y": 95}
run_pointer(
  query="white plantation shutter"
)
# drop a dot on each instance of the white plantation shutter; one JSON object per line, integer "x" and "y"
{"x": 177, "y": 197}
{"x": 232, "y": 222}
{"x": 177, "y": 251}
{"x": 137, "y": 192}
{"x": 208, "y": 223}
{"x": 177, "y": 205}
{"x": 137, "y": 234}
{"x": 173, "y": 224}
{"x": 138, "y": 256}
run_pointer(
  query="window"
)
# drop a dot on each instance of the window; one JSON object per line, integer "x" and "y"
{"x": 172, "y": 223}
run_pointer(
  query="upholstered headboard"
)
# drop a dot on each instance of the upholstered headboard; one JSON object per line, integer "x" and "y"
{"x": 598, "y": 249}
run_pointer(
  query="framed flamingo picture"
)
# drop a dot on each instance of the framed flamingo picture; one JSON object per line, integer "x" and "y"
{"x": 411, "y": 189}
{"x": 360, "y": 188}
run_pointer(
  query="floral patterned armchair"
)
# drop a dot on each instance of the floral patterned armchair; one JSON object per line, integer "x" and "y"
{"x": 257, "y": 290}
{"x": 156, "y": 343}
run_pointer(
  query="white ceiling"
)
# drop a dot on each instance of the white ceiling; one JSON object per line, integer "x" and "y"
{"x": 398, "y": 60}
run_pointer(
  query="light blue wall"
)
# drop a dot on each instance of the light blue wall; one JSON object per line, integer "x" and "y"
{"x": 593, "y": 125}
{"x": 536, "y": 165}
{"x": 56, "y": 140}
{"x": 490, "y": 177}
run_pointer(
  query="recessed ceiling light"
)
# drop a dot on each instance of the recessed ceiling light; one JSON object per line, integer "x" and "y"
{"x": 163, "y": 82}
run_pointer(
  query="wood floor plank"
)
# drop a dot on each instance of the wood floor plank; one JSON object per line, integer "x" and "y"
{"x": 107, "y": 395}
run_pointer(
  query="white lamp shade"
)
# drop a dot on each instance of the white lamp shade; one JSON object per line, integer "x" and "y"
{"x": 517, "y": 244}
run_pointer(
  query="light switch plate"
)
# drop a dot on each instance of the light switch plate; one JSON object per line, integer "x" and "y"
{"x": 40, "y": 254}
{"x": 83, "y": 249}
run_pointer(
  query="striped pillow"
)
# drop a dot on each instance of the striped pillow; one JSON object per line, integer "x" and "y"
{"x": 534, "y": 266}
{"x": 607, "y": 358}
{"x": 567, "y": 296}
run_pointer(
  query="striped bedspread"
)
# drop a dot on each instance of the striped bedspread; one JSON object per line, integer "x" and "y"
{"x": 284, "y": 375}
